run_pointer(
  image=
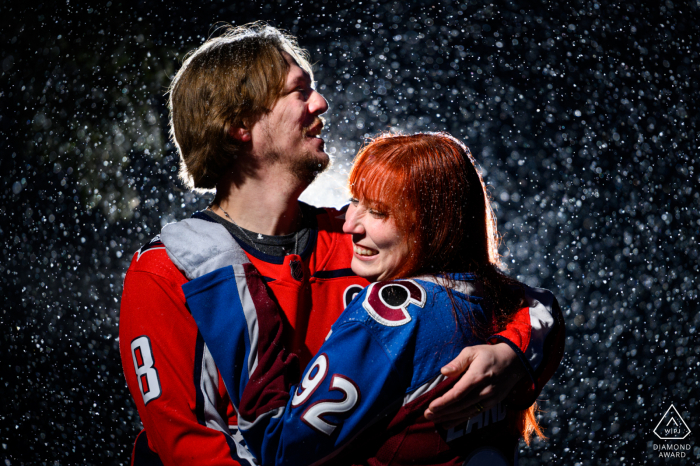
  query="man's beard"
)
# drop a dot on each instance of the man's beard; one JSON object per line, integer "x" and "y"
{"x": 308, "y": 166}
{"x": 305, "y": 167}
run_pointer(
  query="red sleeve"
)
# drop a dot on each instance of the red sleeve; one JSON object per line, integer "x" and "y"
{"x": 171, "y": 376}
{"x": 536, "y": 333}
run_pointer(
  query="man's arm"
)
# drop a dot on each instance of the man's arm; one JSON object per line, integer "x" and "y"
{"x": 171, "y": 375}
{"x": 515, "y": 367}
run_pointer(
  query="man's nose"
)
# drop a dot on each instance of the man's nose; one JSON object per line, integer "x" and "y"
{"x": 317, "y": 104}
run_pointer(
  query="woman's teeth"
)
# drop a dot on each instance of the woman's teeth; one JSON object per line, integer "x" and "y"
{"x": 363, "y": 251}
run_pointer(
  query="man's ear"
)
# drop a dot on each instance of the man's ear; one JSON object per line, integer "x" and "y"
{"x": 240, "y": 133}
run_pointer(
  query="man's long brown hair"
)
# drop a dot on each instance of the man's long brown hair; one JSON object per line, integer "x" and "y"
{"x": 429, "y": 185}
{"x": 229, "y": 81}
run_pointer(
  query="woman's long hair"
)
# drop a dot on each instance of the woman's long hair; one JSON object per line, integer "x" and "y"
{"x": 429, "y": 185}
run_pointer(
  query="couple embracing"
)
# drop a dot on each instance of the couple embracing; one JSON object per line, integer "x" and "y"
{"x": 267, "y": 331}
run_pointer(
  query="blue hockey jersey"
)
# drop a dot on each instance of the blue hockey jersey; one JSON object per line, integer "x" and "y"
{"x": 364, "y": 393}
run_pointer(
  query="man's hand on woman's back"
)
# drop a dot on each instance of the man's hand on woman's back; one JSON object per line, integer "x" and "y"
{"x": 489, "y": 374}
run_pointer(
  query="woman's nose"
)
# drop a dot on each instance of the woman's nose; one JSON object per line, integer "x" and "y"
{"x": 352, "y": 225}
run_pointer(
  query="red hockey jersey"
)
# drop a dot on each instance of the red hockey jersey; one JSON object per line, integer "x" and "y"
{"x": 173, "y": 379}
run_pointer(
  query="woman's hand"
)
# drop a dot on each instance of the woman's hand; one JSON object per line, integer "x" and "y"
{"x": 491, "y": 373}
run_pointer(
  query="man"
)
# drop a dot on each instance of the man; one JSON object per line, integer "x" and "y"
{"x": 246, "y": 121}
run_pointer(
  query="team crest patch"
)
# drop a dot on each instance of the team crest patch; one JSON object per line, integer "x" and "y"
{"x": 296, "y": 270}
{"x": 387, "y": 302}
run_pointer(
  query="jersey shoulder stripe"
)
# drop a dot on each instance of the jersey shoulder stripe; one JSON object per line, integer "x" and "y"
{"x": 334, "y": 273}
{"x": 152, "y": 258}
{"x": 152, "y": 245}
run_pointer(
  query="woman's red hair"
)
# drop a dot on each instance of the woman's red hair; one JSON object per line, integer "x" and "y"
{"x": 429, "y": 185}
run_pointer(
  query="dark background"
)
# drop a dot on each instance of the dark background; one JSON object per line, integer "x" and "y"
{"x": 582, "y": 114}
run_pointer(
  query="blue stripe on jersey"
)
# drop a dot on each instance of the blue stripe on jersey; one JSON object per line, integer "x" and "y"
{"x": 334, "y": 273}
{"x": 226, "y": 330}
{"x": 200, "y": 412}
{"x": 259, "y": 255}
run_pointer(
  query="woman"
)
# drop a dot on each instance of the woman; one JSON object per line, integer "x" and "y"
{"x": 424, "y": 233}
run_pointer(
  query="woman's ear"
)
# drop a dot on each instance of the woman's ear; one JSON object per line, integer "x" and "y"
{"x": 240, "y": 133}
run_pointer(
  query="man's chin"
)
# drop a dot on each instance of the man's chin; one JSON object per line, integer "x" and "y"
{"x": 310, "y": 166}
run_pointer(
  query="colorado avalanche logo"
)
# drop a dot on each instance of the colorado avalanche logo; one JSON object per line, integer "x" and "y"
{"x": 387, "y": 303}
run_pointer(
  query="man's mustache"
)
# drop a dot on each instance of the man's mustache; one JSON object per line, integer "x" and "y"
{"x": 315, "y": 126}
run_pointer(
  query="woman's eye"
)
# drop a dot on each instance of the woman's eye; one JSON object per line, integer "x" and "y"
{"x": 376, "y": 213}
{"x": 354, "y": 201}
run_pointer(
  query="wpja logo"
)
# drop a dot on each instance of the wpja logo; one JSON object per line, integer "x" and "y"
{"x": 672, "y": 427}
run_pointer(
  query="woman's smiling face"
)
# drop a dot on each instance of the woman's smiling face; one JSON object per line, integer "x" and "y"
{"x": 379, "y": 248}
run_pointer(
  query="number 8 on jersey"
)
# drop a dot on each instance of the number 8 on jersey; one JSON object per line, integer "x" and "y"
{"x": 146, "y": 373}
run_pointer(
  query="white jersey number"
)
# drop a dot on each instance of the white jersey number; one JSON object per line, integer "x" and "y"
{"x": 146, "y": 373}
{"x": 313, "y": 415}
{"x": 311, "y": 381}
